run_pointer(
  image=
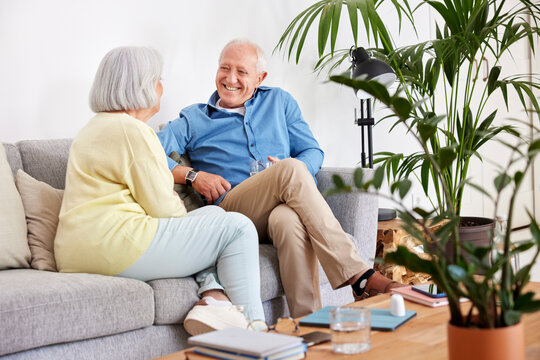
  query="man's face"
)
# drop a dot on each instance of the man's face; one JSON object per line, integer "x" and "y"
{"x": 237, "y": 76}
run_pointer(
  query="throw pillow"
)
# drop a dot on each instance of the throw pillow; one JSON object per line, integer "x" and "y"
{"x": 42, "y": 205}
{"x": 192, "y": 199}
{"x": 14, "y": 251}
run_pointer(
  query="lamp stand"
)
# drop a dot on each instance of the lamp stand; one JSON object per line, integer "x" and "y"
{"x": 366, "y": 122}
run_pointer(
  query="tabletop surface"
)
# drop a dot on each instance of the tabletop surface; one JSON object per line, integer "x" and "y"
{"x": 423, "y": 337}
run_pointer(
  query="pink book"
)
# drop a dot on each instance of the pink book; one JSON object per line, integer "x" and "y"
{"x": 409, "y": 294}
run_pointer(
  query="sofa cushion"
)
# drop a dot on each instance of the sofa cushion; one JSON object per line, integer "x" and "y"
{"x": 270, "y": 278}
{"x": 46, "y": 160}
{"x": 41, "y": 205}
{"x": 175, "y": 297}
{"x": 13, "y": 157}
{"x": 39, "y": 308}
{"x": 14, "y": 250}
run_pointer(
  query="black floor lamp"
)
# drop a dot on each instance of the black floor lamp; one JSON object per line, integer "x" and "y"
{"x": 367, "y": 68}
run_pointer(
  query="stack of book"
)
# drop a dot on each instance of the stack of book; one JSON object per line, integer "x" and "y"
{"x": 409, "y": 294}
{"x": 242, "y": 344}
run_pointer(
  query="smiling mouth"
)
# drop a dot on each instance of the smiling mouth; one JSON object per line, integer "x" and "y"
{"x": 231, "y": 88}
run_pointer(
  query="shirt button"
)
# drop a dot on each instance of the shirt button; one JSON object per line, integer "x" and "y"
{"x": 252, "y": 145}
{"x": 245, "y": 123}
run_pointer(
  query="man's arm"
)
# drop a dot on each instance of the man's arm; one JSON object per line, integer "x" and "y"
{"x": 304, "y": 147}
{"x": 174, "y": 137}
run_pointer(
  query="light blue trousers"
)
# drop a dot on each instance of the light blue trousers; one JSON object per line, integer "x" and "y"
{"x": 220, "y": 248}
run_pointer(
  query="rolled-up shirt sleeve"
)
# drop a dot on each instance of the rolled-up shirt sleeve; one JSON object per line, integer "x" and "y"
{"x": 304, "y": 147}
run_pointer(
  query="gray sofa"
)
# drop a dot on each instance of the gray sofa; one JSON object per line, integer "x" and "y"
{"x": 49, "y": 315}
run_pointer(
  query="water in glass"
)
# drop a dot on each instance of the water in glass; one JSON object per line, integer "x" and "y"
{"x": 350, "y": 329}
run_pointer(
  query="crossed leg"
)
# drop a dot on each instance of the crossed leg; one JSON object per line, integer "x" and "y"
{"x": 289, "y": 182}
{"x": 298, "y": 264}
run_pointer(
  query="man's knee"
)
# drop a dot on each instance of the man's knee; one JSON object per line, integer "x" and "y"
{"x": 292, "y": 171}
{"x": 293, "y": 164}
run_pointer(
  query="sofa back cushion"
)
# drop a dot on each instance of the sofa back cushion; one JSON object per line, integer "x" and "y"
{"x": 14, "y": 250}
{"x": 42, "y": 205}
{"x": 13, "y": 157}
{"x": 46, "y": 160}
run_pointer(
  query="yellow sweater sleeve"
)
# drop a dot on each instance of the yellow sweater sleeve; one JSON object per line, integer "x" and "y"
{"x": 149, "y": 178}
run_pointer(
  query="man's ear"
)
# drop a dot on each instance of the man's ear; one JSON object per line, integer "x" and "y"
{"x": 262, "y": 76}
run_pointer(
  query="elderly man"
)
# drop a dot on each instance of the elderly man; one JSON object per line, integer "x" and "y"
{"x": 244, "y": 121}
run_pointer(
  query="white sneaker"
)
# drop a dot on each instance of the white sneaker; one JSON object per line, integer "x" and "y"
{"x": 205, "y": 318}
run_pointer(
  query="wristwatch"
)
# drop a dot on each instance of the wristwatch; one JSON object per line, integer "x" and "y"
{"x": 191, "y": 175}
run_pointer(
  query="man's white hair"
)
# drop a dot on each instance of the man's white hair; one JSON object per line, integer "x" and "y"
{"x": 126, "y": 79}
{"x": 261, "y": 59}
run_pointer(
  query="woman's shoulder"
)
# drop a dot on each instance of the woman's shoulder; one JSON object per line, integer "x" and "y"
{"x": 112, "y": 130}
{"x": 121, "y": 124}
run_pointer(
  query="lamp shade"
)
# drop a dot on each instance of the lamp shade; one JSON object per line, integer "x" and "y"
{"x": 365, "y": 67}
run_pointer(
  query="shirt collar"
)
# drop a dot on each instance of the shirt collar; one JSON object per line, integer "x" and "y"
{"x": 215, "y": 97}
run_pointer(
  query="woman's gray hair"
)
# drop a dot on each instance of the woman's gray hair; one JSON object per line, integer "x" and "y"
{"x": 261, "y": 58}
{"x": 126, "y": 79}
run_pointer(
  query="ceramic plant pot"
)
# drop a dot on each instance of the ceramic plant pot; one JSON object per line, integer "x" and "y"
{"x": 483, "y": 344}
{"x": 475, "y": 230}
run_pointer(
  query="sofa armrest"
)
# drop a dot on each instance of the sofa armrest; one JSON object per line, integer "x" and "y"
{"x": 356, "y": 212}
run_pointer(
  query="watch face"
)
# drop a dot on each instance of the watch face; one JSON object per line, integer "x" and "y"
{"x": 191, "y": 175}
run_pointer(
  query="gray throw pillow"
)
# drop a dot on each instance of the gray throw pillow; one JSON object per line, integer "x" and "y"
{"x": 192, "y": 199}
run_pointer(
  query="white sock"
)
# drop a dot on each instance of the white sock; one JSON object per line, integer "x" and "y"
{"x": 211, "y": 301}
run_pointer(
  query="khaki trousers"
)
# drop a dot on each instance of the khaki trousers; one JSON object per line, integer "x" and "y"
{"x": 285, "y": 205}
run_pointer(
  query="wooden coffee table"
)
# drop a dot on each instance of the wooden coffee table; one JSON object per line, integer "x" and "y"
{"x": 423, "y": 337}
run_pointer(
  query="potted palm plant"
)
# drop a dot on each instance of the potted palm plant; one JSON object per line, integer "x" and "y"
{"x": 431, "y": 73}
{"x": 498, "y": 297}
{"x": 437, "y": 74}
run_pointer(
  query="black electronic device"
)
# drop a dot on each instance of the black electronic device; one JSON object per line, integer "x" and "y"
{"x": 429, "y": 290}
{"x": 315, "y": 337}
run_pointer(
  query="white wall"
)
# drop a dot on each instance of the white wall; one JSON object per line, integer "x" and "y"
{"x": 50, "y": 51}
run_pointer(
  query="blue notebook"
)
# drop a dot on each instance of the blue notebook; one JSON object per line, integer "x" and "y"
{"x": 381, "y": 319}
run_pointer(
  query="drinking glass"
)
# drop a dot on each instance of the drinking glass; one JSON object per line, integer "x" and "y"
{"x": 351, "y": 329}
{"x": 256, "y": 166}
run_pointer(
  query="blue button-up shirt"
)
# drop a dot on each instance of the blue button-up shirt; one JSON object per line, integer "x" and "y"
{"x": 224, "y": 143}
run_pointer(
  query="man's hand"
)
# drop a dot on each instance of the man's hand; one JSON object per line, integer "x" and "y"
{"x": 273, "y": 159}
{"x": 211, "y": 186}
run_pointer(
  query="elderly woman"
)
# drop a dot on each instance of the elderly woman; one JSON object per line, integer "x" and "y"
{"x": 120, "y": 215}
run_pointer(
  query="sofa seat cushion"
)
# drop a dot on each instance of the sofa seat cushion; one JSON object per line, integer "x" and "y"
{"x": 39, "y": 308}
{"x": 175, "y": 297}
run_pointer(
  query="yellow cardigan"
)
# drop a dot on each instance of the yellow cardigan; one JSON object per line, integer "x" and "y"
{"x": 117, "y": 186}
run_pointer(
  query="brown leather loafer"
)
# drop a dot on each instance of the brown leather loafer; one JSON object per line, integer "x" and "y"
{"x": 377, "y": 284}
